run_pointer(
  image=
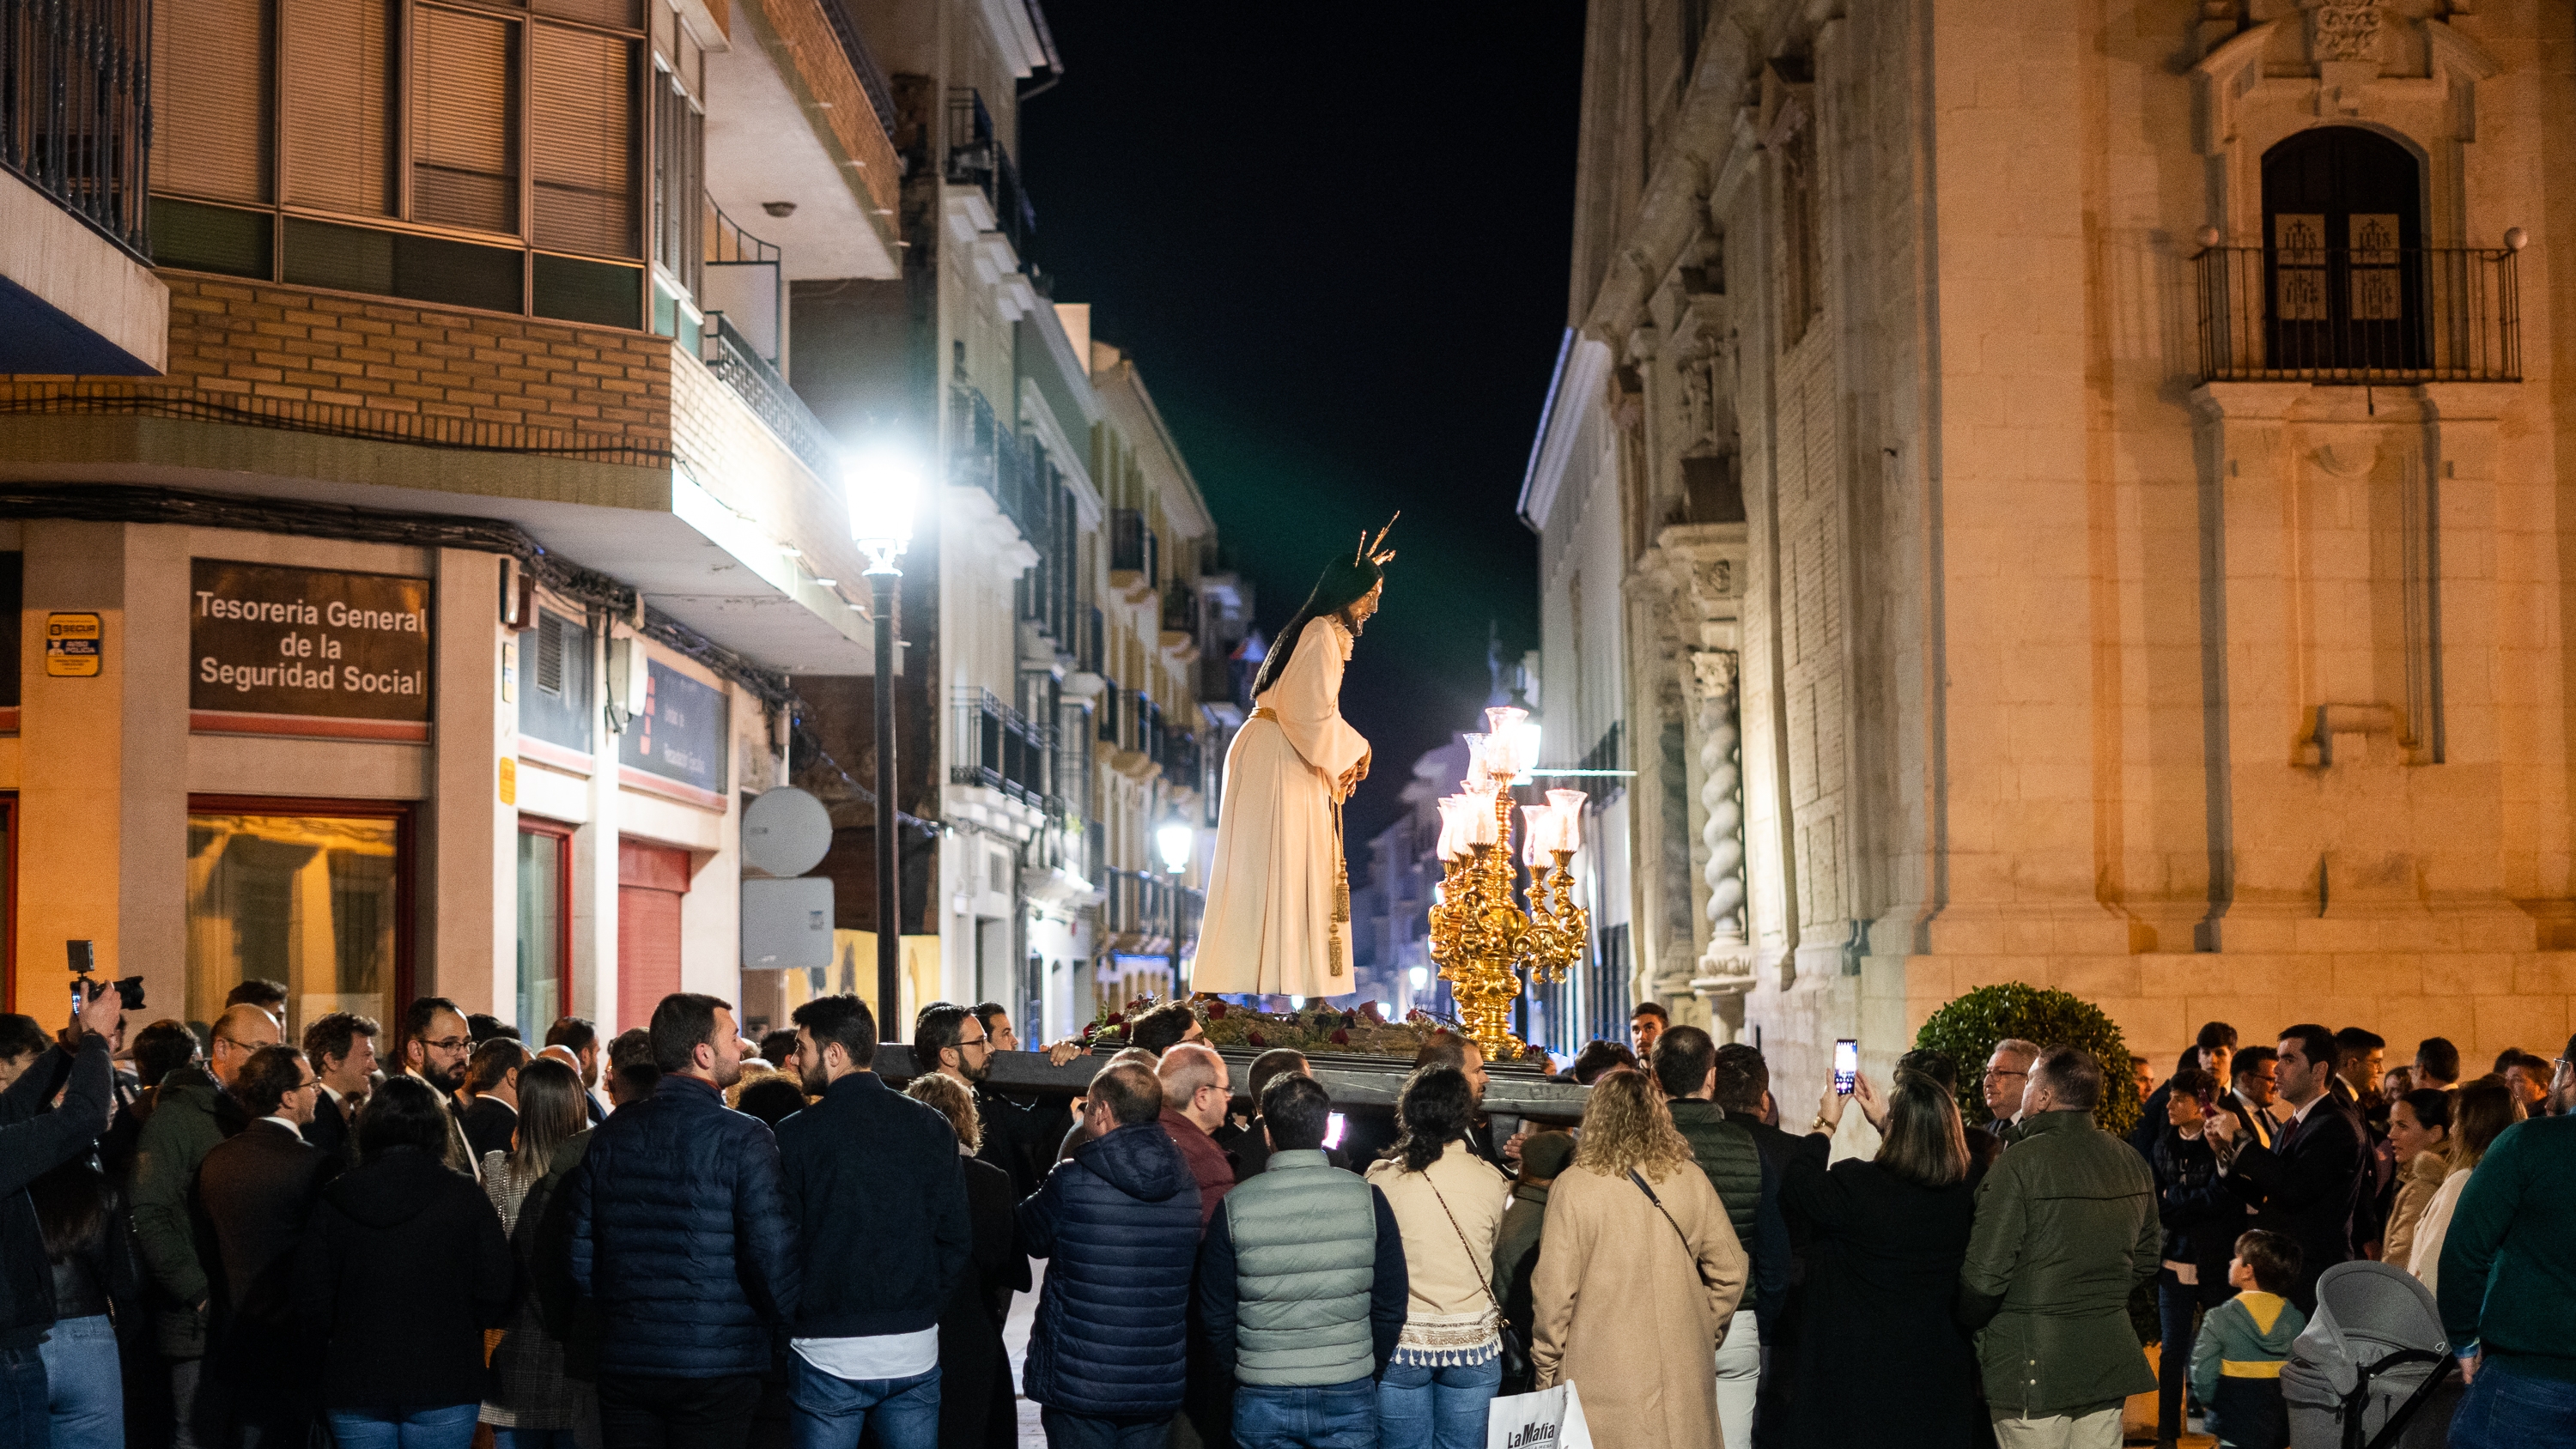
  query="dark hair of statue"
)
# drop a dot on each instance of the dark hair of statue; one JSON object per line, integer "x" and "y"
{"x": 1346, "y": 581}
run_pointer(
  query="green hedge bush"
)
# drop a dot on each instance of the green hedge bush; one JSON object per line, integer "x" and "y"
{"x": 1968, "y": 1028}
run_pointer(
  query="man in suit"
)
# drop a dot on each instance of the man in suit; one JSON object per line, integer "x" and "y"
{"x": 493, "y": 1077}
{"x": 2308, "y": 1182}
{"x": 577, "y": 1041}
{"x": 255, "y": 1190}
{"x": 2254, "y": 1094}
{"x": 341, "y": 1049}
{"x": 2005, "y": 1082}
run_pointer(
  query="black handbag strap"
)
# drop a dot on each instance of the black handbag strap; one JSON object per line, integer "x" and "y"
{"x": 1640, "y": 1180}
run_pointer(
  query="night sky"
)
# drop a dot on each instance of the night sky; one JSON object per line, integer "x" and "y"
{"x": 1334, "y": 238}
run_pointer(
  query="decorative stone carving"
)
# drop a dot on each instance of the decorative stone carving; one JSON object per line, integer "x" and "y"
{"x": 2343, "y": 30}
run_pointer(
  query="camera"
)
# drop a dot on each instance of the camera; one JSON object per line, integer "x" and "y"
{"x": 84, "y": 958}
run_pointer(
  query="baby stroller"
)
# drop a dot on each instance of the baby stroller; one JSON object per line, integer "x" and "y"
{"x": 2370, "y": 1358}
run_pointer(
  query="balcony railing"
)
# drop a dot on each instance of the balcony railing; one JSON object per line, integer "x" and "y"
{"x": 1140, "y": 906}
{"x": 2359, "y": 315}
{"x": 75, "y": 108}
{"x": 998, "y": 748}
{"x": 1180, "y": 758}
{"x": 977, "y": 158}
{"x": 1132, "y": 546}
{"x": 734, "y": 358}
{"x": 985, "y": 453}
{"x": 1180, "y": 609}
{"x": 872, "y": 76}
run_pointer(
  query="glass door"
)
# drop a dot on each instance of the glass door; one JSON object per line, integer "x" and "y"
{"x": 545, "y": 925}
{"x": 313, "y": 895}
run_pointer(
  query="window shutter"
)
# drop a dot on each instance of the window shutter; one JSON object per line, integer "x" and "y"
{"x": 339, "y": 105}
{"x": 464, "y": 171}
{"x": 210, "y": 87}
{"x": 550, "y": 655}
{"x": 618, "y": 14}
{"x": 583, "y": 126}
{"x": 679, "y": 186}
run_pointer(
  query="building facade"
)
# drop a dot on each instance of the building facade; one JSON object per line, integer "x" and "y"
{"x": 2073, "y": 498}
{"x": 424, "y": 493}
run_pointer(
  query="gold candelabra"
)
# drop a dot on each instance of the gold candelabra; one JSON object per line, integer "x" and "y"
{"x": 1481, "y": 935}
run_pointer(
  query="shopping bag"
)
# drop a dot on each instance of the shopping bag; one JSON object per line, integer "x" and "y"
{"x": 1548, "y": 1419}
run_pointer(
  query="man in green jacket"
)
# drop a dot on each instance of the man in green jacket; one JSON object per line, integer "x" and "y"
{"x": 2509, "y": 1281}
{"x": 192, "y": 1110}
{"x": 1685, "y": 1066}
{"x": 2066, "y": 1230}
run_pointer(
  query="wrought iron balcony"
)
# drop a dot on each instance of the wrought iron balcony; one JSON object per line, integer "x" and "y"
{"x": 2354, "y": 315}
{"x": 1133, "y": 548}
{"x": 977, "y": 158}
{"x": 735, "y": 359}
{"x": 984, "y": 452}
{"x": 872, "y": 76}
{"x": 1139, "y": 908}
{"x": 75, "y": 108}
{"x": 999, "y": 748}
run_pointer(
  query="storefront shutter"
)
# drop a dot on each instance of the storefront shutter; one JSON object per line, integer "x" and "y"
{"x": 463, "y": 149}
{"x": 584, "y": 128}
{"x": 210, "y": 99}
{"x": 339, "y": 105}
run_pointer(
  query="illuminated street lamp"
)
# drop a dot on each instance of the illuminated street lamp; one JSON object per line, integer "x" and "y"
{"x": 882, "y": 487}
{"x": 1176, "y": 839}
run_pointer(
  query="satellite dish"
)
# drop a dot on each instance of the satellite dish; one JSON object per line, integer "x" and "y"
{"x": 785, "y": 832}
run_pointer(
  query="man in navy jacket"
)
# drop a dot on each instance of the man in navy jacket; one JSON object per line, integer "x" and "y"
{"x": 1109, "y": 1355}
{"x": 680, "y": 1236}
{"x": 876, "y": 1192}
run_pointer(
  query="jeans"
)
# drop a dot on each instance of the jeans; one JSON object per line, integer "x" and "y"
{"x": 505, "y": 1437}
{"x": 1081, "y": 1431}
{"x": 831, "y": 1412}
{"x": 1327, "y": 1416}
{"x": 24, "y": 1418}
{"x": 2175, "y": 1303}
{"x": 1739, "y": 1380}
{"x": 84, "y": 1387}
{"x": 1436, "y": 1408}
{"x": 641, "y": 1412}
{"x": 447, "y": 1427}
{"x": 2503, "y": 1409}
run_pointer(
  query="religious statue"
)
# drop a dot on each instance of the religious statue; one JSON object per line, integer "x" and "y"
{"x": 1278, "y": 918}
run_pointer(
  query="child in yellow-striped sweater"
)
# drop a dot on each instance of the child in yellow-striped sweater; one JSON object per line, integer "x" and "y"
{"x": 2236, "y": 1361}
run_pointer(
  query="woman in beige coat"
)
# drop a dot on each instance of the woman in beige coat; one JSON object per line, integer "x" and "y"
{"x": 1638, "y": 1272}
{"x": 2419, "y": 1127}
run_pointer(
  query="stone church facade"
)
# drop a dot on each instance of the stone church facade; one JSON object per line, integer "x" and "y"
{"x": 2072, "y": 494}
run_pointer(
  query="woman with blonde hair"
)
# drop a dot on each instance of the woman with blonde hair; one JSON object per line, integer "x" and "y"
{"x": 2479, "y": 1116}
{"x": 975, "y": 1404}
{"x": 1638, "y": 1272}
{"x": 1886, "y": 1239}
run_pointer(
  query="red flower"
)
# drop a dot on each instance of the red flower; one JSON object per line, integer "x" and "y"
{"x": 1115, "y": 1019}
{"x": 1216, "y": 1011}
{"x": 1341, "y": 1038}
{"x": 1089, "y": 1028}
{"x": 1257, "y": 1041}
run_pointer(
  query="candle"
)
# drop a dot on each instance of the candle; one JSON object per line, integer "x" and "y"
{"x": 1478, "y": 747}
{"x": 1538, "y": 826}
{"x": 1487, "y": 830}
{"x": 1449, "y": 821}
{"x": 1569, "y": 819}
{"x": 1502, "y": 753}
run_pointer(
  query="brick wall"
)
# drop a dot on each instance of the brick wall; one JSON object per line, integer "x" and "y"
{"x": 826, "y": 71}
{"x": 404, "y": 368}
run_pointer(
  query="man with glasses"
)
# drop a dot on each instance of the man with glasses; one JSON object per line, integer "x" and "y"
{"x": 2257, "y": 1087}
{"x": 2007, "y": 1075}
{"x": 436, "y": 1044}
{"x": 950, "y": 1039}
{"x": 192, "y": 1110}
{"x": 257, "y": 1189}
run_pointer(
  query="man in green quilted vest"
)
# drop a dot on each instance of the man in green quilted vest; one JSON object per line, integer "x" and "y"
{"x": 1301, "y": 1285}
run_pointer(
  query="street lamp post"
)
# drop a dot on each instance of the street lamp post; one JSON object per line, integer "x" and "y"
{"x": 1176, "y": 838}
{"x": 881, "y": 489}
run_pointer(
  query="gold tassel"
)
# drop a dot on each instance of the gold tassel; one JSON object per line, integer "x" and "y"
{"x": 1341, "y": 892}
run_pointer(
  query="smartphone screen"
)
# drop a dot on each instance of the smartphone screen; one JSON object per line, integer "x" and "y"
{"x": 1846, "y": 1066}
{"x": 1333, "y": 1131}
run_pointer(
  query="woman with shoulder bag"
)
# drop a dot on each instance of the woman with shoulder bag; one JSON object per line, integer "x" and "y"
{"x": 1638, "y": 1272}
{"x": 1448, "y": 1203}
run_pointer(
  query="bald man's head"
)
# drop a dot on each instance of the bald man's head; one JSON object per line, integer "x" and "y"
{"x": 241, "y": 1030}
{"x": 1195, "y": 1084}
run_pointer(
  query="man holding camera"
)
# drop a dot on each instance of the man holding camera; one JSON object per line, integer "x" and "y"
{"x": 34, "y": 1142}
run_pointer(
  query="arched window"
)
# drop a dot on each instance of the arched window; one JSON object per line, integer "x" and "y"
{"x": 2344, "y": 253}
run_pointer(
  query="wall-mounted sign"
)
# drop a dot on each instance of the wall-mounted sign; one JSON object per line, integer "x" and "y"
{"x": 75, "y": 646}
{"x": 675, "y": 744}
{"x": 311, "y": 652}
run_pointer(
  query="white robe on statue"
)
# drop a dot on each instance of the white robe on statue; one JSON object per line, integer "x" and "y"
{"x": 1268, "y": 926}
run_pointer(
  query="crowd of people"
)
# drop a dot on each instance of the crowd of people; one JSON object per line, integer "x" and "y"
{"x": 677, "y": 1237}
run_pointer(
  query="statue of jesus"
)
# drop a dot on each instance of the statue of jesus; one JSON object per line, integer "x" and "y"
{"x": 1278, "y": 905}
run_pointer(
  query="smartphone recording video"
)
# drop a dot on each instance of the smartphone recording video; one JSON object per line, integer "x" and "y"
{"x": 1846, "y": 1066}
{"x": 1333, "y": 1131}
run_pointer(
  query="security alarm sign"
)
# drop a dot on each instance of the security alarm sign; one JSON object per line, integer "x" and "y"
{"x": 311, "y": 652}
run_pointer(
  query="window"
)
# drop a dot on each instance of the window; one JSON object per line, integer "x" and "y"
{"x": 313, "y": 894}
{"x": 545, "y": 924}
{"x": 679, "y": 201}
{"x": 2343, "y": 244}
{"x": 464, "y": 153}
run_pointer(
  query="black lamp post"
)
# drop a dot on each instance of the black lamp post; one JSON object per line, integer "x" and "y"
{"x": 881, "y": 490}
